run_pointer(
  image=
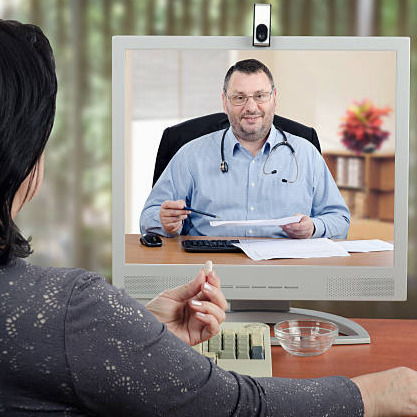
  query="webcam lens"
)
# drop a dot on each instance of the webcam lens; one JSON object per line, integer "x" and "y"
{"x": 261, "y": 32}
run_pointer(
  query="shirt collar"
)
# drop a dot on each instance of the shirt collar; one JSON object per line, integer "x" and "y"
{"x": 232, "y": 145}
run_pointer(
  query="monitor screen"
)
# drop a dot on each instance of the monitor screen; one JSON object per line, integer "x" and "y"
{"x": 321, "y": 82}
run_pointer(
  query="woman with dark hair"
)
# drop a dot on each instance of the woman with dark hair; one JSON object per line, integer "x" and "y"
{"x": 23, "y": 116}
{"x": 73, "y": 345}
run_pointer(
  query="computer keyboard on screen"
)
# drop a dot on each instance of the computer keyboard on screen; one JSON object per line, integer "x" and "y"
{"x": 240, "y": 347}
{"x": 214, "y": 245}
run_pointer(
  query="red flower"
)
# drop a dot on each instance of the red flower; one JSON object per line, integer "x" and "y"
{"x": 361, "y": 128}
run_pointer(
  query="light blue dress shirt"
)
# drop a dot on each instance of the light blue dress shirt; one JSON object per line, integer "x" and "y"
{"x": 245, "y": 192}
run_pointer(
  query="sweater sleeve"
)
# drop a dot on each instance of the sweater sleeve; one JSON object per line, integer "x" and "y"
{"x": 124, "y": 362}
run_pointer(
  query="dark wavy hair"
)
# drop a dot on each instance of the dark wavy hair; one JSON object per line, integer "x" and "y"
{"x": 28, "y": 87}
{"x": 247, "y": 66}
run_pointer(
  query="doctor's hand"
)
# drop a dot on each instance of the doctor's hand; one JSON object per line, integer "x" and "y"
{"x": 172, "y": 214}
{"x": 194, "y": 311}
{"x": 301, "y": 230}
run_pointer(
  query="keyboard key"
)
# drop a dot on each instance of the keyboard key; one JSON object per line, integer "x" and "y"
{"x": 257, "y": 345}
{"x": 229, "y": 345}
{"x": 211, "y": 355}
{"x": 215, "y": 343}
{"x": 242, "y": 344}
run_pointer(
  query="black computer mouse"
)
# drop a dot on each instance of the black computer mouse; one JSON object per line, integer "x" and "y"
{"x": 151, "y": 240}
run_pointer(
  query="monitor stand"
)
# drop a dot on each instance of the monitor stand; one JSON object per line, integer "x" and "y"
{"x": 273, "y": 311}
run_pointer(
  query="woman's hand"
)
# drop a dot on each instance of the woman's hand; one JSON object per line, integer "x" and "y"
{"x": 389, "y": 393}
{"x": 193, "y": 312}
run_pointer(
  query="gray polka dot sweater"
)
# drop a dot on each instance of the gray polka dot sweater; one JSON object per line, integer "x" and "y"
{"x": 73, "y": 345}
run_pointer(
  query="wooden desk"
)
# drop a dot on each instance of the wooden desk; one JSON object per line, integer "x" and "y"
{"x": 393, "y": 343}
{"x": 171, "y": 252}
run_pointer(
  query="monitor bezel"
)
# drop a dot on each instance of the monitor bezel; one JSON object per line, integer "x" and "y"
{"x": 297, "y": 282}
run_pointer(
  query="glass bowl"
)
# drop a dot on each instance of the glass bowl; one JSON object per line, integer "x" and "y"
{"x": 306, "y": 337}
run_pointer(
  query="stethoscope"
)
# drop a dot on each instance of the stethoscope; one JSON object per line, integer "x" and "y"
{"x": 224, "y": 166}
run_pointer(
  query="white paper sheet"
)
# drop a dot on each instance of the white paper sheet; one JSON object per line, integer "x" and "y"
{"x": 371, "y": 245}
{"x": 290, "y": 248}
{"x": 269, "y": 222}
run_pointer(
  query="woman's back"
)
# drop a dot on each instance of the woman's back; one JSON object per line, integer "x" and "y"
{"x": 36, "y": 377}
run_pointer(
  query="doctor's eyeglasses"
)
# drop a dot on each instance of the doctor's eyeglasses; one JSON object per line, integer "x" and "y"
{"x": 259, "y": 97}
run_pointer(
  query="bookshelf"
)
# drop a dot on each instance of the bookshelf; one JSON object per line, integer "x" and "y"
{"x": 366, "y": 181}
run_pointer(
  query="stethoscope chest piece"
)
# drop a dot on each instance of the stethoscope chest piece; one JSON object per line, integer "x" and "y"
{"x": 224, "y": 167}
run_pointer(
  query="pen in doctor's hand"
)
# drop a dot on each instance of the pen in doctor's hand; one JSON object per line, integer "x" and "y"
{"x": 199, "y": 212}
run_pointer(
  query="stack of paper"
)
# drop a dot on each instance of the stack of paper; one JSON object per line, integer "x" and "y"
{"x": 290, "y": 248}
{"x": 372, "y": 245}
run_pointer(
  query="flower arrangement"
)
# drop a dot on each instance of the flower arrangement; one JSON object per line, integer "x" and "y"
{"x": 361, "y": 128}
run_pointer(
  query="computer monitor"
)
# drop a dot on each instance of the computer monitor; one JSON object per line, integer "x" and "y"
{"x": 160, "y": 81}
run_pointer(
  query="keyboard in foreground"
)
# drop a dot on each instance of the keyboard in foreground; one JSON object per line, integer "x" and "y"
{"x": 240, "y": 347}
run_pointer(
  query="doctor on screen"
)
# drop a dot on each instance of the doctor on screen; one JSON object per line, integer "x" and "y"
{"x": 246, "y": 172}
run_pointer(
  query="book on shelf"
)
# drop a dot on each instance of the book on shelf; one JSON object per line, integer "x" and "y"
{"x": 356, "y": 202}
{"x": 350, "y": 171}
{"x": 360, "y": 205}
{"x": 341, "y": 171}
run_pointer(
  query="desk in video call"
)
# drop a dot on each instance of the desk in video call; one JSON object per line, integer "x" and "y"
{"x": 171, "y": 252}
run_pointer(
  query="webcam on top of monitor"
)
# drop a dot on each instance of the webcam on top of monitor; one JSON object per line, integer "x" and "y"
{"x": 261, "y": 24}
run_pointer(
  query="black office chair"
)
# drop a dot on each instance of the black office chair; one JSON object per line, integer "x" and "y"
{"x": 175, "y": 137}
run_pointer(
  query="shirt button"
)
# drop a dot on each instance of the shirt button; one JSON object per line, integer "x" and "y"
{"x": 250, "y": 231}
{"x": 252, "y": 208}
{"x": 253, "y": 161}
{"x": 252, "y": 184}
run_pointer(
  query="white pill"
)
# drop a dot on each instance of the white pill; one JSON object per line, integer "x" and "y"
{"x": 208, "y": 267}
